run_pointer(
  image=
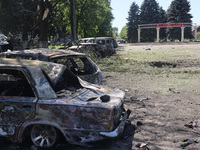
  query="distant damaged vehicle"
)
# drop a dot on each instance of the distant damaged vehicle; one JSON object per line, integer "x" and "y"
{"x": 4, "y": 43}
{"x": 100, "y": 46}
{"x": 44, "y": 100}
{"x": 9, "y": 43}
{"x": 80, "y": 64}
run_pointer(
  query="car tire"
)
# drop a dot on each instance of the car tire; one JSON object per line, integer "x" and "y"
{"x": 44, "y": 136}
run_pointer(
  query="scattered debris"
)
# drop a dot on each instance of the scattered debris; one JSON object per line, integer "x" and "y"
{"x": 175, "y": 141}
{"x": 139, "y": 123}
{"x": 141, "y": 99}
{"x": 126, "y": 90}
{"x": 187, "y": 142}
{"x": 192, "y": 124}
{"x": 173, "y": 91}
{"x": 143, "y": 146}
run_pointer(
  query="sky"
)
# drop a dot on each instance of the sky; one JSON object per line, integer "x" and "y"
{"x": 120, "y": 10}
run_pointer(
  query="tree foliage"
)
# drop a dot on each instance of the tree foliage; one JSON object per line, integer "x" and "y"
{"x": 123, "y": 33}
{"x": 94, "y": 18}
{"x": 17, "y": 16}
{"x": 162, "y": 19}
{"x": 132, "y": 25}
{"x": 115, "y": 32}
{"x": 49, "y": 17}
{"x": 178, "y": 12}
{"x": 149, "y": 14}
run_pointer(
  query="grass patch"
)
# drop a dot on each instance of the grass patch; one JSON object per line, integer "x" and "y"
{"x": 114, "y": 64}
{"x": 173, "y": 61}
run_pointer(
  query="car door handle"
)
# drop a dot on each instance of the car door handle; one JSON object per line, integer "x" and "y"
{"x": 27, "y": 107}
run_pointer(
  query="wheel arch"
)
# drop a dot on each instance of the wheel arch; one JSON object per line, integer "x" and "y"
{"x": 26, "y": 128}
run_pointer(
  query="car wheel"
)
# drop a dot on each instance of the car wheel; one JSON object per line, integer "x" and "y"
{"x": 43, "y": 136}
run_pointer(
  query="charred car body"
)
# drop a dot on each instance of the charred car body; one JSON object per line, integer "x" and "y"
{"x": 9, "y": 43}
{"x": 4, "y": 43}
{"x": 80, "y": 64}
{"x": 43, "y": 100}
{"x": 102, "y": 46}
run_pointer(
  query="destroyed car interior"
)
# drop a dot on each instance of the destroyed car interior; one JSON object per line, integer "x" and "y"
{"x": 14, "y": 83}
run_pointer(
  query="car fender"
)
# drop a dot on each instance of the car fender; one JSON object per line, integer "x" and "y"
{"x": 26, "y": 125}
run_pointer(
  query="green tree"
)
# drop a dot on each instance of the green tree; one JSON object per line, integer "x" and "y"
{"x": 123, "y": 33}
{"x": 149, "y": 15}
{"x": 28, "y": 17}
{"x": 60, "y": 22}
{"x": 17, "y": 17}
{"x": 162, "y": 19}
{"x": 46, "y": 18}
{"x": 133, "y": 21}
{"x": 178, "y": 12}
{"x": 115, "y": 32}
{"x": 94, "y": 18}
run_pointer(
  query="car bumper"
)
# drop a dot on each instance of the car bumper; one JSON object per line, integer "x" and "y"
{"x": 119, "y": 130}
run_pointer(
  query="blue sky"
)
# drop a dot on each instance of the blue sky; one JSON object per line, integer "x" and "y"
{"x": 121, "y": 8}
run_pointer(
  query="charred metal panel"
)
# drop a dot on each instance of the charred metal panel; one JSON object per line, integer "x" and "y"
{"x": 53, "y": 70}
{"x": 80, "y": 124}
{"x": 13, "y": 112}
{"x": 42, "y": 85}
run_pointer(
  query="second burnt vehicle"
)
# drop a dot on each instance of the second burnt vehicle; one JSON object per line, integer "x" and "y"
{"x": 100, "y": 46}
{"x": 45, "y": 101}
{"x": 79, "y": 63}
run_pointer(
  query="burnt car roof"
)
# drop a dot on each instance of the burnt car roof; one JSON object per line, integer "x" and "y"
{"x": 3, "y": 39}
{"x": 53, "y": 70}
{"x": 42, "y": 53}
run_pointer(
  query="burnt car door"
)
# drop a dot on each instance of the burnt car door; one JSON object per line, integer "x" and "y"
{"x": 17, "y": 100}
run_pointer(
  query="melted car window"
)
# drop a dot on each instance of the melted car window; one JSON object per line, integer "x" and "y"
{"x": 14, "y": 83}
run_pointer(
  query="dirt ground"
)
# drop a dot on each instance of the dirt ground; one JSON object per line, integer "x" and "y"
{"x": 161, "y": 105}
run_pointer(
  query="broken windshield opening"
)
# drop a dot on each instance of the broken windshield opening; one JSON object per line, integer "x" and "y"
{"x": 78, "y": 65}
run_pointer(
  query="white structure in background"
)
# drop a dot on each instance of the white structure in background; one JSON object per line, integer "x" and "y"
{"x": 167, "y": 25}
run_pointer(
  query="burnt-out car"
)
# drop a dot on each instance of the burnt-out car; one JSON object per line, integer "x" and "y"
{"x": 101, "y": 46}
{"x": 80, "y": 64}
{"x": 45, "y": 101}
{"x": 4, "y": 43}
